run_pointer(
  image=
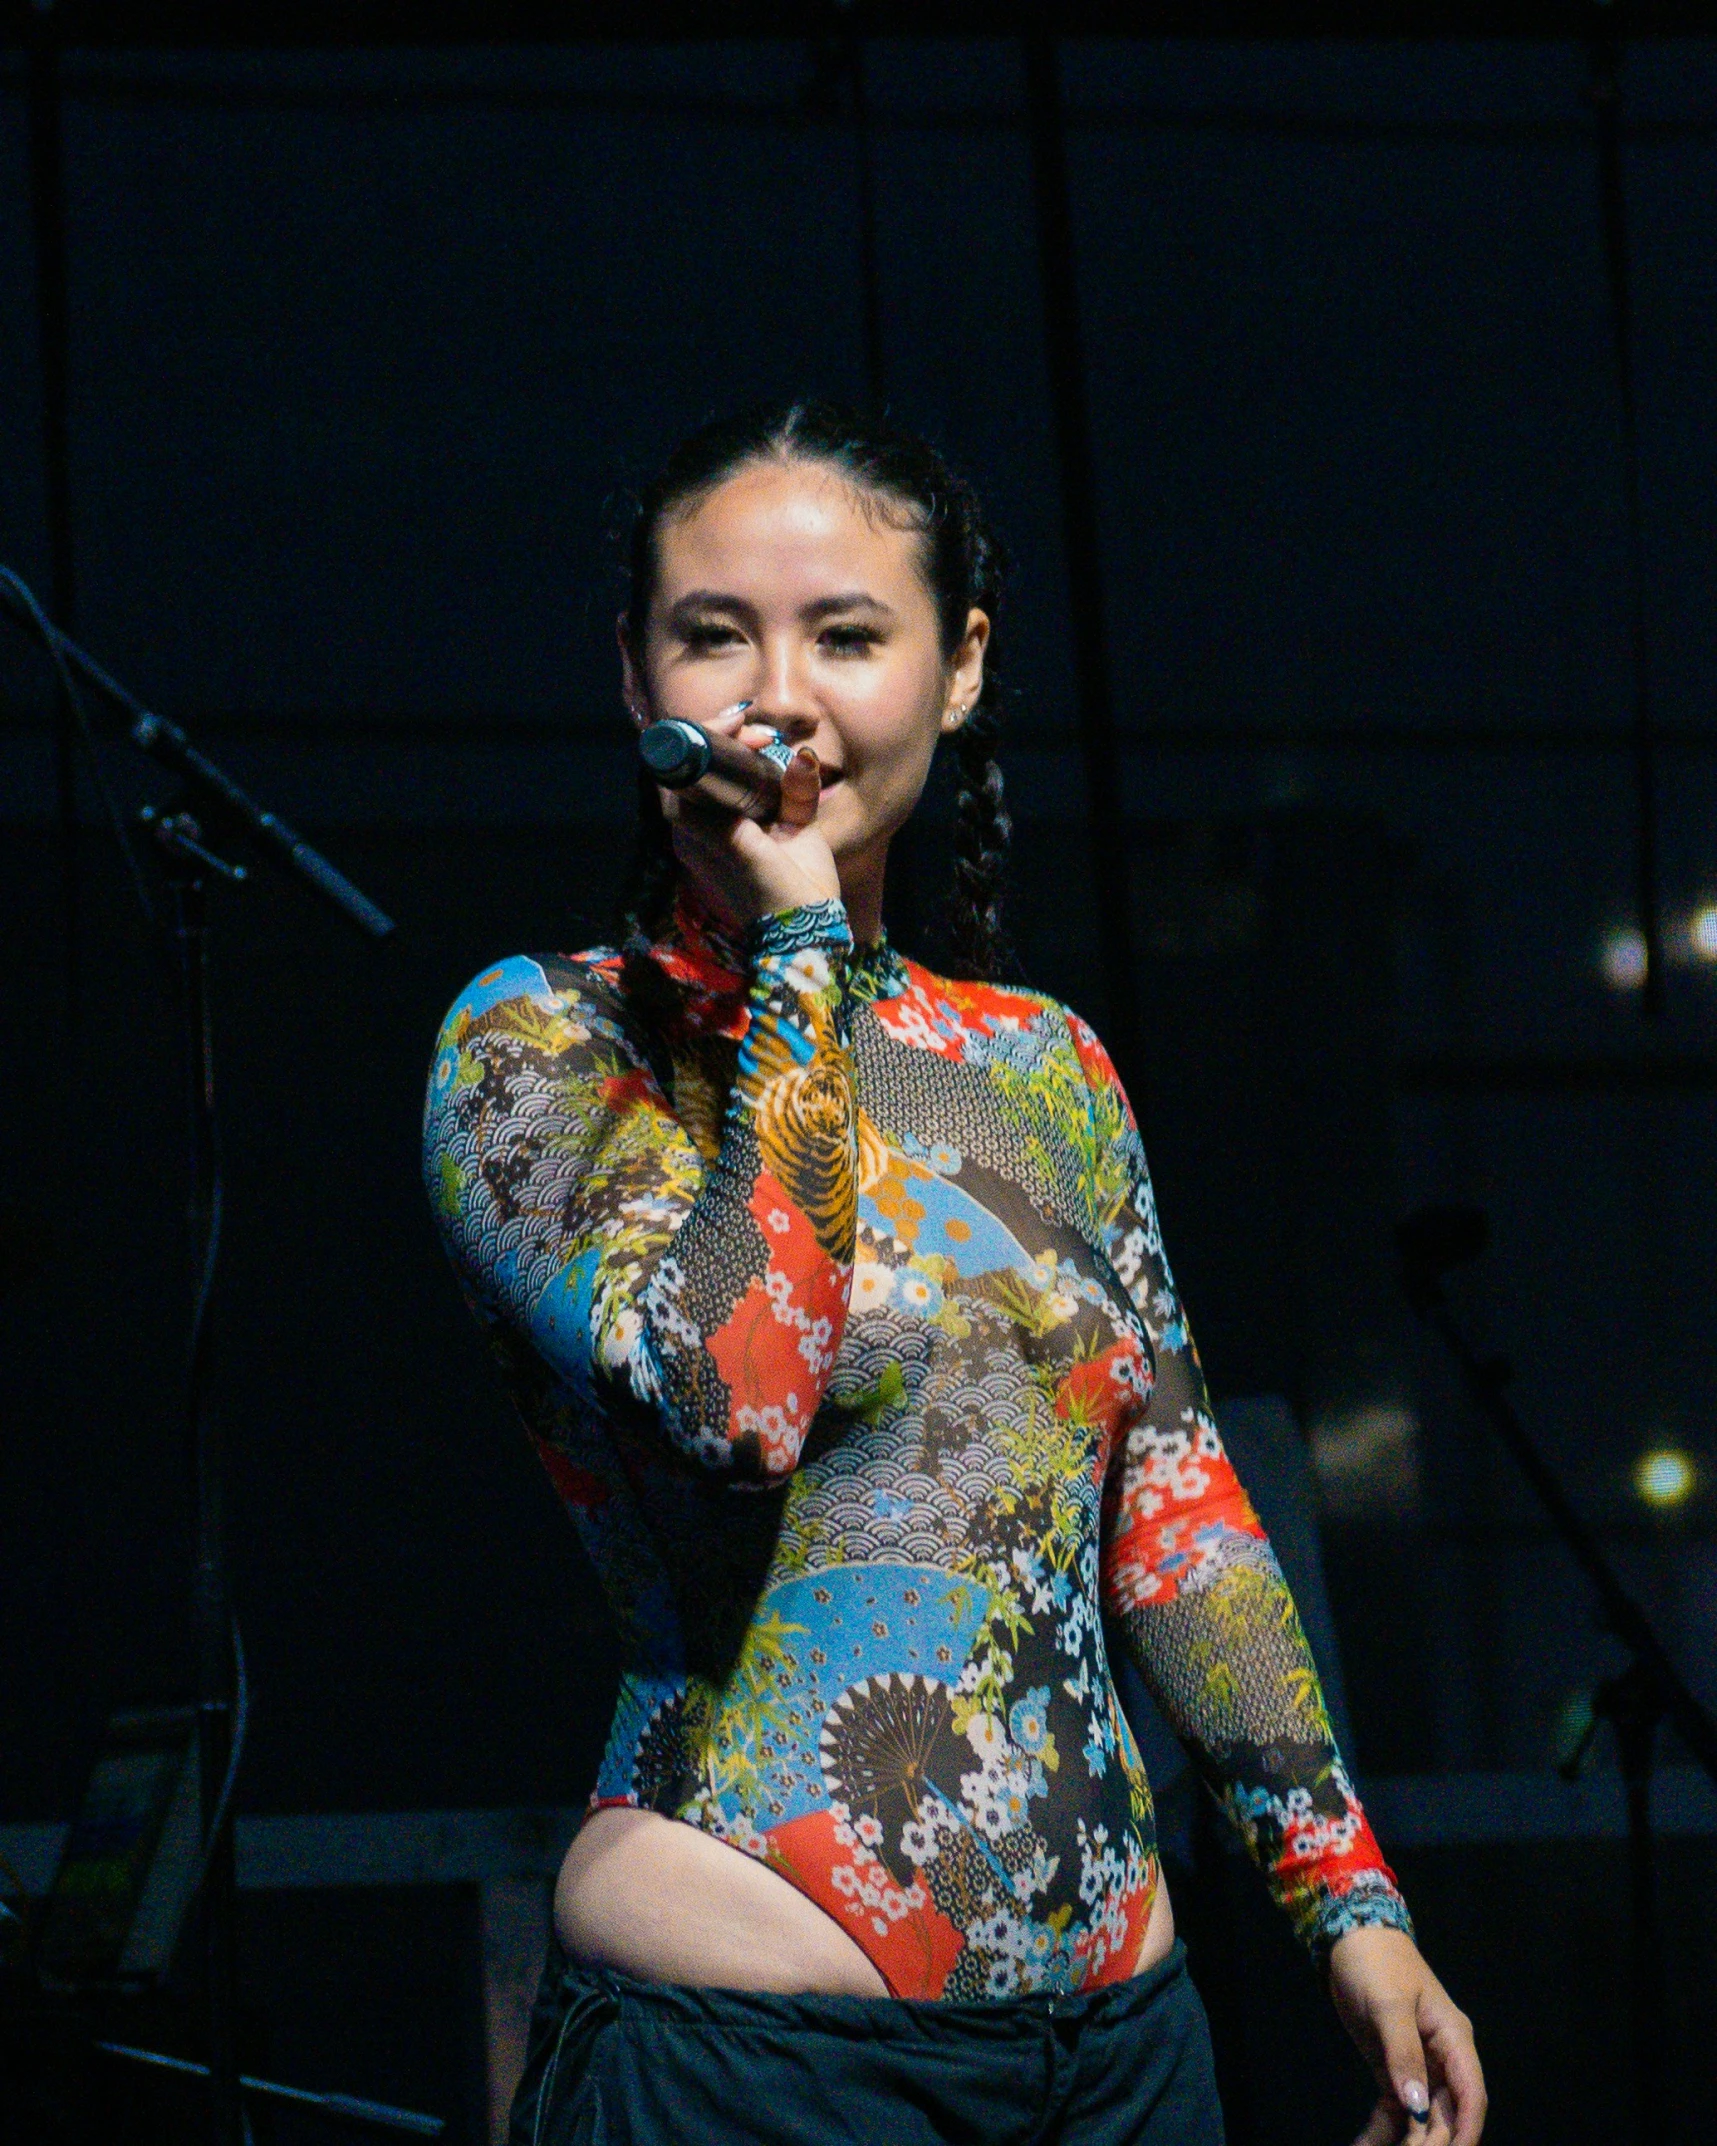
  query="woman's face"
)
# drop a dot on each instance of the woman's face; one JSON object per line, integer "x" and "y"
{"x": 787, "y": 587}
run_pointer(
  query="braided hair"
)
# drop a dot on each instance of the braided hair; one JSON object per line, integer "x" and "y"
{"x": 963, "y": 569}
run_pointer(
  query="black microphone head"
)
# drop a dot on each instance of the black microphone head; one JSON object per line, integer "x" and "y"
{"x": 1440, "y": 1237}
{"x": 676, "y": 753}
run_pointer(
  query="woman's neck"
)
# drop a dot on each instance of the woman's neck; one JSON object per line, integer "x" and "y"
{"x": 861, "y": 893}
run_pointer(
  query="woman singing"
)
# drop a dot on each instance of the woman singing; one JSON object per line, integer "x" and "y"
{"x": 832, "y": 1294}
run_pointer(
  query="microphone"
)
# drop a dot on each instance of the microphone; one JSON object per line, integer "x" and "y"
{"x": 1436, "y": 1240}
{"x": 680, "y": 754}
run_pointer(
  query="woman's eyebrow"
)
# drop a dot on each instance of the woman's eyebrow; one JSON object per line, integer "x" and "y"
{"x": 851, "y": 600}
{"x": 696, "y": 601}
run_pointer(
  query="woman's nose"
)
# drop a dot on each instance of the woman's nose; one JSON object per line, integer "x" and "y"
{"x": 794, "y": 724}
{"x": 788, "y": 711}
{"x": 781, "y": 694}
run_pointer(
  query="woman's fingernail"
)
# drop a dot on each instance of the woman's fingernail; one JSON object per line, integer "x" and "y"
{"x": 1416, "y": 2101}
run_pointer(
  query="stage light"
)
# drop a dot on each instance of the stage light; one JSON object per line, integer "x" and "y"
{"x": 1365, "y": 1459}
{"x": 1664, "y": 1477}
{"x": 1623, "y": 958}
{"x": 1702, "y": 932}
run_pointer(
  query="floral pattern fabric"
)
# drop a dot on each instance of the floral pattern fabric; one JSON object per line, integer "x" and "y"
{"x": 834, "y": 1298}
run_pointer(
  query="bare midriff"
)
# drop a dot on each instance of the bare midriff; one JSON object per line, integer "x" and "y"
{"x": 656, "y": 1899}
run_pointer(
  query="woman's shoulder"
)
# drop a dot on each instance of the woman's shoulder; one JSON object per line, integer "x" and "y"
{"x": 956, "y": 1016}
{"x": 981, "y": 998}
{"x": 534, "y": 987}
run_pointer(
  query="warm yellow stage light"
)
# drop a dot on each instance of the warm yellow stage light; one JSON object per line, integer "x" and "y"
{"x": 1702, "y": 932}
{"x": 1664, "y": 1477}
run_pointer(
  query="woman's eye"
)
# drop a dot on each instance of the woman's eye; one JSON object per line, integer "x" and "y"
{"x": 849, "y": 640}
{"x": 712, "y": 635}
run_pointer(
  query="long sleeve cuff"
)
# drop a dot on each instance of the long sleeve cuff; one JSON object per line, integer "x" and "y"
{"x": 1371, "y": 1900}
{"x": 783, "y": 933}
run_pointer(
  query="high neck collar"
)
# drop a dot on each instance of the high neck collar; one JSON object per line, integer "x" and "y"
{"x": 696, "y": 939}
{"x": 875, "y": 970}
{"x": 695, "y": 932}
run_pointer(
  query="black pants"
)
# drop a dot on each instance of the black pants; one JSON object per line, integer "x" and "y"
{"x": 615, "y": 2062}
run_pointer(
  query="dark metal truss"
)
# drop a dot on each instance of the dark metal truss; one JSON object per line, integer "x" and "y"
{"x": 561, "y": 22}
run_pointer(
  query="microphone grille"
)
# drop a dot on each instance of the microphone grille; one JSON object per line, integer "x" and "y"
{"x": 676, "y": 753}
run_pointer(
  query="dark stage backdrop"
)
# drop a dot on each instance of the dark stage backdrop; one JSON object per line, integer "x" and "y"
{"x": 364, "y": 350}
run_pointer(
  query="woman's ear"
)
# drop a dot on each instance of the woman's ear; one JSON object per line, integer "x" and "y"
{"x": 966, "y": 674}
{"x": 632, "y": 687}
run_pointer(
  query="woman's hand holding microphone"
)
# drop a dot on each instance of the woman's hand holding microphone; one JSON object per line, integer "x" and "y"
{"x": 745, "y": 868}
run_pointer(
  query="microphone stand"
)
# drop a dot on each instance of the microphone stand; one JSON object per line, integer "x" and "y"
{"x": 1648, "y": 1692}
{"x": 189, "y": 866}
{"x": 166, "y": 742}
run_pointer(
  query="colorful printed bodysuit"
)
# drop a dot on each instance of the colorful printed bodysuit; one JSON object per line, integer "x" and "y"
{"x": 833, "y": 1296}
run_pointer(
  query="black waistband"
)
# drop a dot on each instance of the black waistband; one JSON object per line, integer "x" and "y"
{"x": 808, "y": 2011}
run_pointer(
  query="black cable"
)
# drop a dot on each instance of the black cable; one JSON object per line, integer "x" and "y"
{"x": 197, "y": 1350}
{"x": 196, "y": 1371}
{"x": 223, "y": 1802}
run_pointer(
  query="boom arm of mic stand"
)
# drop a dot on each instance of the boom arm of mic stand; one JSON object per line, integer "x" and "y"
{"x": 166, "y": 742}
{"x": 1623, "y": 1614}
